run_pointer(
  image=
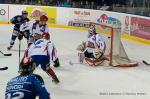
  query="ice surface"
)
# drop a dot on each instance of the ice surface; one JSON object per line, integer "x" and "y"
{"x": 82, "y": 81}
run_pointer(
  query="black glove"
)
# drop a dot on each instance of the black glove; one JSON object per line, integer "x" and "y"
{"x": 20, "y": 36}
{"x": 56, "y": 63}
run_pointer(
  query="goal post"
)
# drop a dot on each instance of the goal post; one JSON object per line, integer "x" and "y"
{"x": 114, "y": 48}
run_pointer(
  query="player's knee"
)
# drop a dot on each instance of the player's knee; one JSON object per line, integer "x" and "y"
{"x": 13, "y": 37}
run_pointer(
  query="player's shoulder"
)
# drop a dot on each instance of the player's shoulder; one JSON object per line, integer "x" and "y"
{"x": 27, "y": 19}
{"x": 12, "y": 79}
{"x": 18, "y": 16}
{"x": 19, "y": 78}
{"x": 99, "y": 35}
{"x": 37, "y": 77}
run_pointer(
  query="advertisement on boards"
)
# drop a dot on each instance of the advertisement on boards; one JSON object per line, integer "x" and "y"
{"x": 126, "y": 27}
{"x": 80, "y": 18}
{"x": 36, "y": 12}
{"x": 140, "y": 27}
{"x": 106, "y": 19}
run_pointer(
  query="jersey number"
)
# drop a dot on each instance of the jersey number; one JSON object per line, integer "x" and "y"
{"x": 16, "y": 95}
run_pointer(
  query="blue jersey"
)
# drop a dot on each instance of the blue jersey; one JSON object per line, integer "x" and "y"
{"x": 18, "y": 20}
{"x": 26, "y": 87}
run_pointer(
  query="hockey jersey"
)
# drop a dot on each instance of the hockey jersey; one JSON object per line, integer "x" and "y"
{"x": 26, "y": 87}
{"x": 17, "y": 21}
{"x": 37, "y": 28}
{"x": 42, "y": 47}
{"x": 25, "y": 26}
{"x": 96, "y": 41}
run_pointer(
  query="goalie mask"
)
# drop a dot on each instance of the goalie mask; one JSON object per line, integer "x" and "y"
{"x": 92, "y": 30}
{"x": 27, "y": 66}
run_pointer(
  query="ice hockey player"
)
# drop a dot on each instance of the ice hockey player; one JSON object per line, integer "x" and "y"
{"x": 17, "y": 21}
{"x": 92, "y": 50}
{"x": 39, "y": 26}
{"x": 25, "y": 30}
{"x": 43, "y": 52}
{"x": 27, "y": 85}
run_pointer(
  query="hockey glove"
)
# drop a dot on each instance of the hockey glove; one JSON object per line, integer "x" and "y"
{"x": 56, "y": 63}
{"x": 20, "y": 36}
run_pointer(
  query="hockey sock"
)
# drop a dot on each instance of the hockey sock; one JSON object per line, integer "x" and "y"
{"x": 13, "y": 38}
{"x": 50, "y": 72}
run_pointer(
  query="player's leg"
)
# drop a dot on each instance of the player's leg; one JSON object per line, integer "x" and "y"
{"x": 13, "y": 38}
{"x": 81, "y": 49}
{"x": 95, "y": 58}
{"x": 51, "y": 73}
{"x": 44, "y": 61}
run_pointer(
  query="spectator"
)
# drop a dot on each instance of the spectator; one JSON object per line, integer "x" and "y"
{"x": 87, "y": 5}
{"x": 67, "y": 3}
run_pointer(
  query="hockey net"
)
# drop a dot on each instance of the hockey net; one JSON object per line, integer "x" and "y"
{"x": 114, "y": 48}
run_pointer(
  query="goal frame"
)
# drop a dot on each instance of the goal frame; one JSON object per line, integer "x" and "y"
{"x": 112, "y": 27}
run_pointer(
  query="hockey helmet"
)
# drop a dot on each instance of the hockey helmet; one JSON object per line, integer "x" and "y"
{"x": 46, "y": 36}
{"x": 24, "y": 12}
{"x": 43, "y": 18}
{"x": 27, "y": 66}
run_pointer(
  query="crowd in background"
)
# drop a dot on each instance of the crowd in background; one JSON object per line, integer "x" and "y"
{"x": 89, "y": 4}
{"x": 117, "y": 5}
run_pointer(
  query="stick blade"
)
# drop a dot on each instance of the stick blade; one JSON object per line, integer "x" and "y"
{"x": 7, "y": 54}
{"x": 4, "y": 68}
{"x": 146, "y": 63}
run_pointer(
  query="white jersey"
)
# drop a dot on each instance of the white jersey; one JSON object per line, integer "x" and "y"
{"x": 97, "y": 41}
{"x": 36, "y": 28}
{"x": 42, "y": 47}
{"x": 25, "y": 26}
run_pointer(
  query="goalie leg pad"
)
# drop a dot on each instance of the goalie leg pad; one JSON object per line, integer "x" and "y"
{"x": 81, "y": 57}
{"x": 96, "y": 61}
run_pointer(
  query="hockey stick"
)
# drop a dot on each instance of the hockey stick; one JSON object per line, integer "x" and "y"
{"x": 19, "y": 52}
{"x": 72, "y": 63}
{"x": 5, "y": 54}
{"x": 4, "y": 68}
{"x": 146, "y": 63}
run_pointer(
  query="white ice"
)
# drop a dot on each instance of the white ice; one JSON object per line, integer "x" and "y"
{"x": 82, "y": 81}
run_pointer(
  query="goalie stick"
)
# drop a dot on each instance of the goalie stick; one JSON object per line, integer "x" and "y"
{"x": 146, "y": 63}
{"x": 4, "y": 68}
{"x": 5, "y": 54}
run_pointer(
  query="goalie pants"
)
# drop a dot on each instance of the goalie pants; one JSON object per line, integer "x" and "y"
{"x": 88, "y": 55}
